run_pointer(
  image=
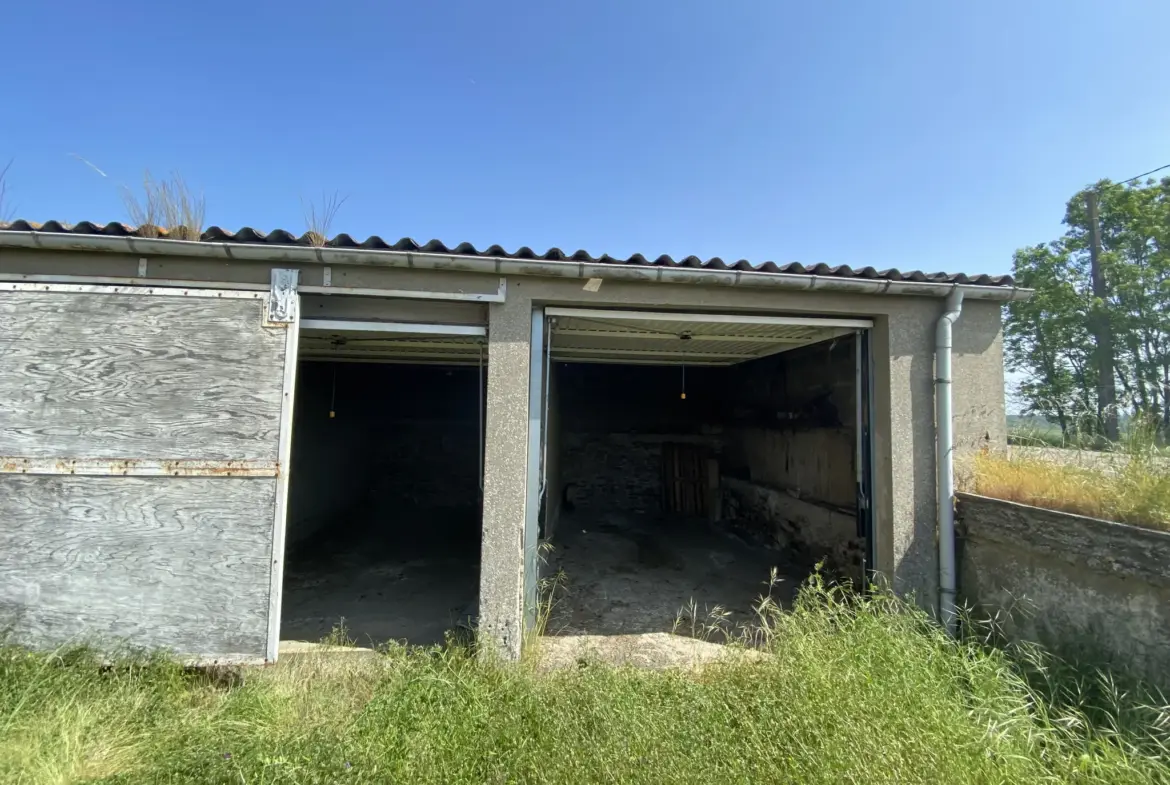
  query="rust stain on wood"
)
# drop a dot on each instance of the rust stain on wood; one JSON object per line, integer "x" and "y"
{"x": 139, "y": 467}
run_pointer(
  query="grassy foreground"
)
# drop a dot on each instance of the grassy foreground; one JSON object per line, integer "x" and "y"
{"x": 852, "y": 691}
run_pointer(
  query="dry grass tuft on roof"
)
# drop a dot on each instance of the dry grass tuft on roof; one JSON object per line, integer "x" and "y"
{"x": 319, "y": 217}
{"x": 166, "y": 207}
{"x": 6, "y": 210}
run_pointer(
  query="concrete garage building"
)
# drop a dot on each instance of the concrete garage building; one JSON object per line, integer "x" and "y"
{"x": 213, "y": 446}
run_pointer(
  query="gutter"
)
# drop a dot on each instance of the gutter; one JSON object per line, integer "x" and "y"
{"x": 494, "y": 265}
{"x": 945, "y": 459}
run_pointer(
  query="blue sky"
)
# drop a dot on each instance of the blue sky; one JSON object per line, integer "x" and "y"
{"x": 935, "y": 135}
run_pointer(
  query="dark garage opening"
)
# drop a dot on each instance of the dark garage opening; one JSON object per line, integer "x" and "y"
{"x": 673, "y": 491}
{"x": 384, "y": 511}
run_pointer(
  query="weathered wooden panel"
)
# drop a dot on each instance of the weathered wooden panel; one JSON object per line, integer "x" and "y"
{"x": 817, "y": 462}
{"x": 176, "y": 564}
{"x": 133, "y": 376}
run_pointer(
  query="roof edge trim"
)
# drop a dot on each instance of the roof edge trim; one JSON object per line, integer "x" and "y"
{"x": 496, "y": 265}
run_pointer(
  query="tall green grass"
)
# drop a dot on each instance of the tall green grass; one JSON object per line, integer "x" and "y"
{"x": 849, "y": 689}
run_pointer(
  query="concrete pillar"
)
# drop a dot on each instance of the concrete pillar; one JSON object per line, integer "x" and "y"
{"x": 912, "y": 448}
{"x": 501, "y": 582}
{"x": 906, "y": 536}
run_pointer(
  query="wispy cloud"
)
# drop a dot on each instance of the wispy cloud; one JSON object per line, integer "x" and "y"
{"x": 88, "y": 163}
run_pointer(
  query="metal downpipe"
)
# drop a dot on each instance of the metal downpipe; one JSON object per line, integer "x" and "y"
{"x": 945, "y": 459}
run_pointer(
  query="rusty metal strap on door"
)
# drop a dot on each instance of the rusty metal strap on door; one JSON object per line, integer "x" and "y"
{"x": 130, "y": 467}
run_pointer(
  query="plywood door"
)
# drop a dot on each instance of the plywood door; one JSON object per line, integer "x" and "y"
{"x": 143, "y": 457}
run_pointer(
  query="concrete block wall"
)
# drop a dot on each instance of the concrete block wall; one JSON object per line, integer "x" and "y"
{"x": 601, "y": 398}
{"x": 1090, "y": 590}
{"x": 612, "y": 422}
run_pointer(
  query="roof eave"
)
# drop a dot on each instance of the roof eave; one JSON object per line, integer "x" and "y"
{"x": 496, "y": 265}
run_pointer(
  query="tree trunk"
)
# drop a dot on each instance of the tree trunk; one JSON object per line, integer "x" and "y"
{"x": 1106, "y": 392}
{"x": 1165, "y": 398}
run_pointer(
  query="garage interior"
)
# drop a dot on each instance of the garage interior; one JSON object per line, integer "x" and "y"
{"x": 383, "y": 525}
{"x": 687, "y": 456}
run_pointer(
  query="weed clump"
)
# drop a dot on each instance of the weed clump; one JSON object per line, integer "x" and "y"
{"x": 168, "y": 205}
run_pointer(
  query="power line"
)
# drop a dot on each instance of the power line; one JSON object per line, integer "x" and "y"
{"x": 1144, "y": 174}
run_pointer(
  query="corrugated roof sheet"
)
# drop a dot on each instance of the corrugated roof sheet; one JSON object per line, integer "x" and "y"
{"x": 250, "y": 236}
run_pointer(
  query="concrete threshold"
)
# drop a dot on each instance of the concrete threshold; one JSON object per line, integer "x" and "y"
{"x": 650, "y": 650}
{"x": 310, "y": 647}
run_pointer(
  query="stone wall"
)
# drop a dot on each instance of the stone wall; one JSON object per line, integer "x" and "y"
{"x": 611, "y": 422}
{"x": 613, "y": 472}
{"x": 1087, "y": 589}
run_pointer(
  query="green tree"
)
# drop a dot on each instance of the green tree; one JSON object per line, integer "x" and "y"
{"x": 1048, "y": 338}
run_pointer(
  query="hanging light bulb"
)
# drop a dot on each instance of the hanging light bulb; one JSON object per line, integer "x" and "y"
{"x": 333, "y": 396}
{"x": 684, "y": 336}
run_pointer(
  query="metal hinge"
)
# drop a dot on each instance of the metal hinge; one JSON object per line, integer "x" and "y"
{"x": 282, "y": 296}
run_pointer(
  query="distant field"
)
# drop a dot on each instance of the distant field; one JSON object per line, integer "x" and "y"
{"x": 1038, "y": 432}
{"x": 1071, "y": 456}
{"x": 1035, "y": 431}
